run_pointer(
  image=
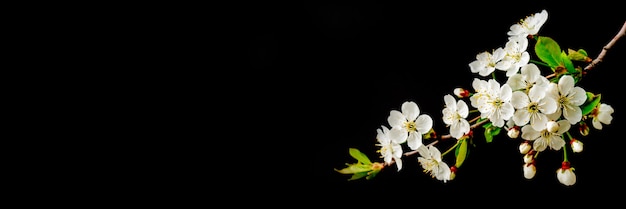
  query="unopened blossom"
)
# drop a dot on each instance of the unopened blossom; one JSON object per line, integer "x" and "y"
{"x": 529, "y": 26}
{"x": 454, "y": 115}
{"x": 513, "y": 133}
{"x": 461, "y": 92}
{"x": 569, "y": 98}
{"x": 524, "y": 147}
{"x": 533, "y": 107}
{"x": 602, "y": 115}
{"x": 390, "y": 150}
{"x": 512, "y": 129}
{"x": 529, "y": 76}
{"x": 566, "y": 175}
{"x": 516, "y": 55}
{"x": 529, "y": 157}
{"x": 543, "y": 139}
{"x": 408, "y": 125}
{"x": 529, "y": 170}
{"x": 487, "y": 62}
{"x": 431, "y": 162}
{"x": 577, "y": 145}
{"x": 552, "y": 126}
{"x": 497, "y": 106}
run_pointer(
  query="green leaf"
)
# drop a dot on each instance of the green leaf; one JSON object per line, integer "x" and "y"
{"x": 461, "y": 153}
{"x": 358, "y": 155}
{"x": 567, "y": 63}
{"x": 354, "y": 168}
{"x": 580, "y": 55}
{"x": 358, "y": 176}
{"x": 589, "y": 106}
{"x": 548, "y": 51}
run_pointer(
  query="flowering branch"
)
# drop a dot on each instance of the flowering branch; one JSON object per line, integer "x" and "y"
{"x": 540, "y": 109}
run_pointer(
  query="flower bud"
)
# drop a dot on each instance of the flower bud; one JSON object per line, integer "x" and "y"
{"x": 529, "y": 170}
{"x": 513, "y": 133}
{"x": 524, "y": 147}
{"x": 528, "y": 158}
{"x": 583, "y": 128}
{"x": 552, "y": 126}
{"x": 566, "y": 175}
{"x": 577, "y": 145}
{"x": 461, "y": 92}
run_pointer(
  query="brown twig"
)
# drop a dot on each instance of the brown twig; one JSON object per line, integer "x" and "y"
{"x": 606, "y": 48}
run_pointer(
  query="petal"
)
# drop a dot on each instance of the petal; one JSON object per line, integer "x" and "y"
{"x": 462, "y": 108}
{"x": 564, "y": 126}
{"x": 547, "y": 105}
{"x": 529, "y": 133}
{"x": 519, "y": 100}
{"x": 423, "y": 123}
{"x": 396, "y": 119}
{"x": 415, "y": 140}
{"x": 410, "y": 110}
{"x": 521, "y": 117}
{"x": 577, "y": 96}
{"x": 450, "y": 102}
{"x": 572, "y": 113}
{"x": 538, "y": 121}
{"x": 556, "y": 142}
{"x": 397, "y": 135}
{"x": 540, "y": 144}
{"x": 516, "y": 82}
{"x": 566, "y": 84}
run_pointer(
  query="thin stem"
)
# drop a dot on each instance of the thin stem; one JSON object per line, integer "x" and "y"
{"x": 606, "y": 48}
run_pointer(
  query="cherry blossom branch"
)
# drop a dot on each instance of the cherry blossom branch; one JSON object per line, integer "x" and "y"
{"x": 606, "y": 48}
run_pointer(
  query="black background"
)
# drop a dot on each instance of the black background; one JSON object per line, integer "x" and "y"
{"x": 336, "y": 69}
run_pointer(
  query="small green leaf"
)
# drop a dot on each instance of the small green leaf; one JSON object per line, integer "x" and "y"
{"x": 358, "y": 155}
{"x": 548, "y": 51}
{"x": 567, "y": 63}
{"x": 354, "y": 168}
{"x": 461, "y": 153}
{"x": 358, "y": 176}
{"x": 579, "y": 55}
{"x": 589, "y": 106}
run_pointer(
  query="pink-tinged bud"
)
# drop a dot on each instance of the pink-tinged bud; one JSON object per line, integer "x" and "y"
{"x": 529, "y": 170}
{"x": 461, "y": 93}
{"x": 552, "y": 126}
{"x": 529, "y": 158}
{"x": 524, "y": 147}
{"x": 583, "y": 128}
{"x": 577, "y": 145}
{"x": 566, "y": 175}
{"x": 513, "y": 133}
{"x": 452, "y": 172}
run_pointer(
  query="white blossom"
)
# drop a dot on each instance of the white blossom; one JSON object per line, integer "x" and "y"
{"x": 602, "y": 115}
{"x": 529, "y": 76}
{"x": 487, "y": 62}
{"x": 532, "y": 107}
{"x": 408, "y": 125}
{"x": 390, "y": 150}
{"x": 544, "y": 138}
{"x": 516, "y": 55}
{"x": 497, "y": 106}
{"x": 454, "y": 115}
{"x": 430, "y": 159}
{"x": 530, "y": 25}
{"x": 569, "y": 99}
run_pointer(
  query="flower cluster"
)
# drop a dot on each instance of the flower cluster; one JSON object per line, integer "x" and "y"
{"x": 541, "y": 109}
